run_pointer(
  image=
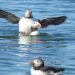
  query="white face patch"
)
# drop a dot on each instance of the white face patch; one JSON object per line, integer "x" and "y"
{"x": 28, "y": 13}
{"x": 38, "y": 72}
{"x": 37, "y": 63}
{"x": 36, "y": 24}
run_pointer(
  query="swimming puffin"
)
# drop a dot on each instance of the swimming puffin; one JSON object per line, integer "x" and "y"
{"x": 38, "y": 68}
{"x": 28, "y": 25}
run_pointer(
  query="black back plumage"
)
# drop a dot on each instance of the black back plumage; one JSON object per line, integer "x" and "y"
{"x": 49, "y": 68}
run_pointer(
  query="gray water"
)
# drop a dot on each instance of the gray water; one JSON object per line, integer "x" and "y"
{"x": 56, "y": 44}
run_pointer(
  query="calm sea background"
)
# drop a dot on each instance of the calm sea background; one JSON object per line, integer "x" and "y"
{"x": 56, "y": 44}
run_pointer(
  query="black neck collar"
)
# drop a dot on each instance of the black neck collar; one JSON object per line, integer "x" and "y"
{"x": 28, "y": 17}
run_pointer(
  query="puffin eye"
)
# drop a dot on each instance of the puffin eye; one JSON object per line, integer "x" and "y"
{"x": 34, "y": 22}
{"x": 37, "y": 60}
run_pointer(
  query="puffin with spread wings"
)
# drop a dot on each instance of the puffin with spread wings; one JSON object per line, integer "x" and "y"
{"x": 28, "y": 25}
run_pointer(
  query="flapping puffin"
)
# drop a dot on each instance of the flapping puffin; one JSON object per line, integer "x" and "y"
{"x": 38, "y": 68}
{"x": 28, "y": 25}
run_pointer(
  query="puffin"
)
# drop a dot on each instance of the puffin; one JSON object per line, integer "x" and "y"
{"x": 38, "y": 68}
{"x": 28, "y": 25}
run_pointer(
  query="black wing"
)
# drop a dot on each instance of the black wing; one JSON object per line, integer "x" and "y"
{"x": 54, "y": 69}
{"x": 9, "y": 16}
{"x": 52, "y": 21}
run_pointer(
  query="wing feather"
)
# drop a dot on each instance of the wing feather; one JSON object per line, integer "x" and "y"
{"x": 52, "y": 21}
{"x": 54, "y": 69}
{"x": 9, "y": 16}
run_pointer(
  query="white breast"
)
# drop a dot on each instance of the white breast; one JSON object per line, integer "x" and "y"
{"x": 25, "y": 25}
{"x": 37, "y": 72}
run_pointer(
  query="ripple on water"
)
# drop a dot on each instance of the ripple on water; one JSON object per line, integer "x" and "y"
{"x": 57, "y": 48}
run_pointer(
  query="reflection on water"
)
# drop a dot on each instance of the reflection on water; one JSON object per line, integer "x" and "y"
{"x": 27, "y": 39}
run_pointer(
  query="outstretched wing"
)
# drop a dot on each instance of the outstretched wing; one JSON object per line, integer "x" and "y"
{"x": 52, "y": 21}
{"x": 9, "y": 16}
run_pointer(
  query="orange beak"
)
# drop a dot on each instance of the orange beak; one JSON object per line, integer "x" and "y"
{"x": 31, "y": 63}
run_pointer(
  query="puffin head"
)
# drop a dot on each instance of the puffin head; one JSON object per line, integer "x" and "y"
{"x": 37, "y": 63}
{"x": 28, "y": 14}
{"x": 36, "y": 24}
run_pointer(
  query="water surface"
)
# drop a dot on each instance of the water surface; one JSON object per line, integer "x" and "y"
{"x": 56, "y": 44}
